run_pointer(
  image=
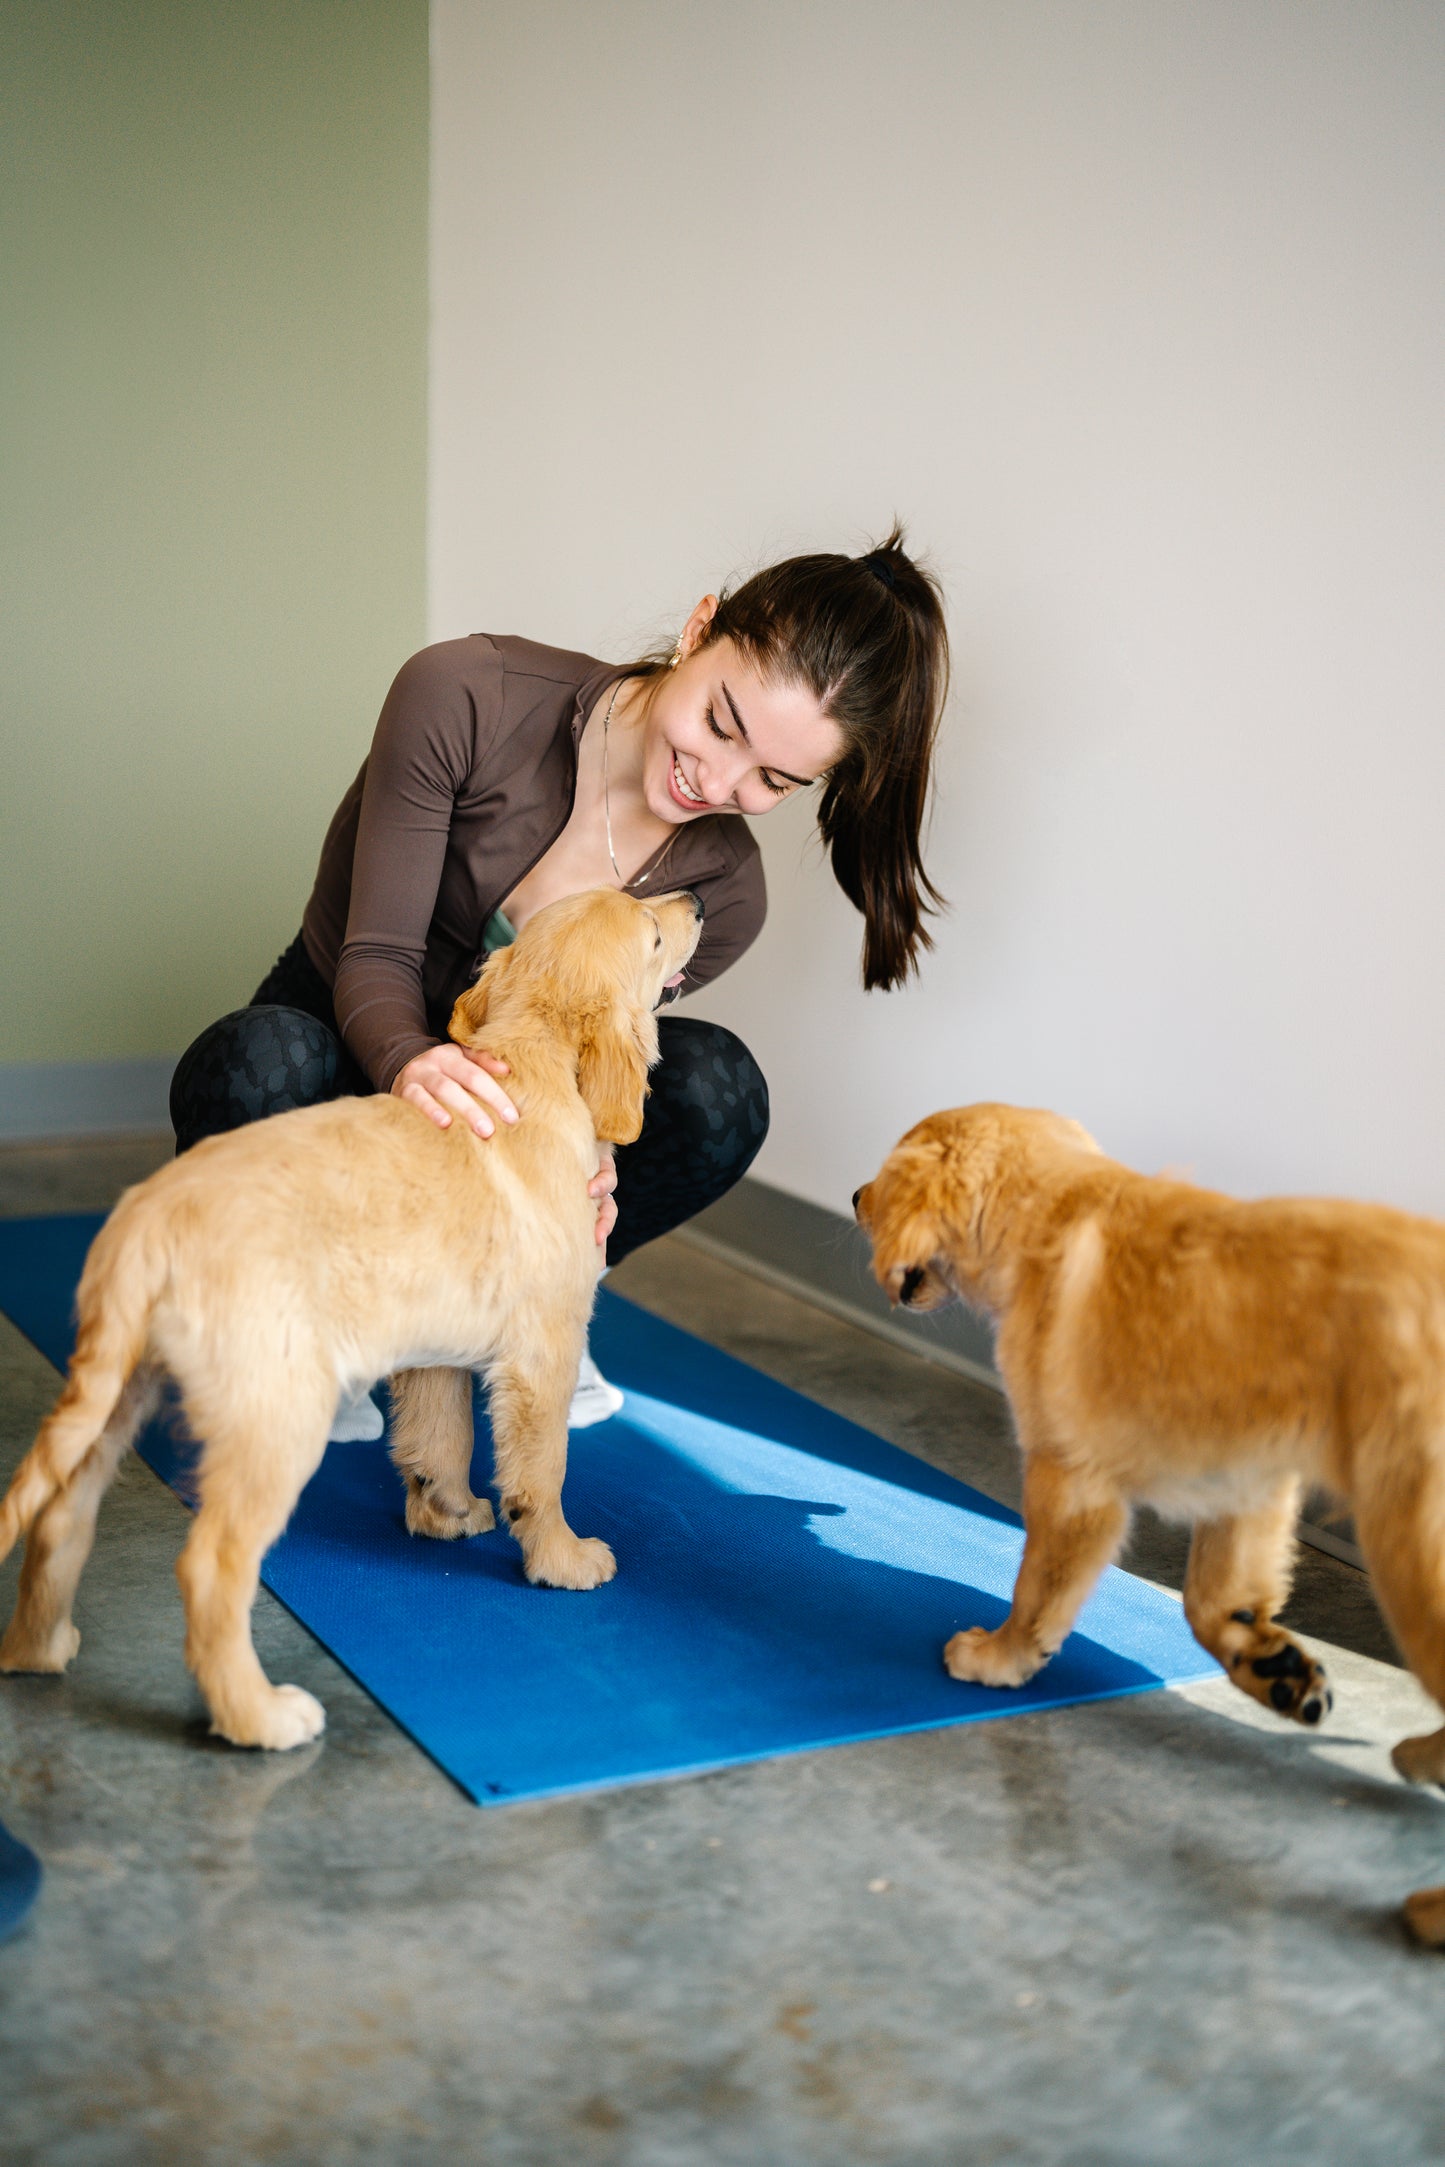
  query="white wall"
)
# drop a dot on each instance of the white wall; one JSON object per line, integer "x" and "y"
{"x": 1135, "y": 312}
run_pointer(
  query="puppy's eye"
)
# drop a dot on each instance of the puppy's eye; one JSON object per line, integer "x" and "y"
{"x": 657, "y": 940}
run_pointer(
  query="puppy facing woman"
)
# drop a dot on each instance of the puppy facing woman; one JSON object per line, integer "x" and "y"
{"x": 504, "y": 775}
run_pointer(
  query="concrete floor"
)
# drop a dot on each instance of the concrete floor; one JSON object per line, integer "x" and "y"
{"x": 1153, "y": 1930}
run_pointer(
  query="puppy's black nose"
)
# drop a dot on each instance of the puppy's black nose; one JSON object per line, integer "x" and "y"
{"x": 856, "y": 1194}
{"x": 696, "y": 902}
{"x": 912, "y": 1281}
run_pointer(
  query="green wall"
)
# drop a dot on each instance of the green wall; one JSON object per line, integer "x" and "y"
{"x": 212, "y": 517}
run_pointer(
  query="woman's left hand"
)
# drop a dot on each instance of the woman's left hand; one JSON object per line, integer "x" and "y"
{"x": 601, "y": 1186}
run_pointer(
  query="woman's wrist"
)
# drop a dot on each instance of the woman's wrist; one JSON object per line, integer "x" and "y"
{"x": 418, "y": 1048}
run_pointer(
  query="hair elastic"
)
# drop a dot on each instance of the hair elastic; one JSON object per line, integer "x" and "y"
{"x": 877, "y": 563}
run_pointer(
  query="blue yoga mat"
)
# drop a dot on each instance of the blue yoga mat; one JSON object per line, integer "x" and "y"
{"x": 786, "y": 1580}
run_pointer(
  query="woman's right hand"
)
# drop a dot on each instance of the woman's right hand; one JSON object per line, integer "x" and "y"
{"x": 450, "y": 1079}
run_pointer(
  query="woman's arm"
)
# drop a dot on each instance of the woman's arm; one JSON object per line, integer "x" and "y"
{"x": 420, "y": 758}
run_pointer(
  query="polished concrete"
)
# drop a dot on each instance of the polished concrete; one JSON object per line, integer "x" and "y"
{"x": 1158, "y": 1929}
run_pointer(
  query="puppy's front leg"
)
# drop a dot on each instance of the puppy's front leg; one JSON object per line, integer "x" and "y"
{"x": 531, "y": 1392}
{"x": 431, "y": 1445}
{"x": 1071, "y": 1531}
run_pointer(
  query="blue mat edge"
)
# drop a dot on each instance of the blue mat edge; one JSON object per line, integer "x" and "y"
{"x": 1001, "y": 1714}
{"x": 21, "y": 1875}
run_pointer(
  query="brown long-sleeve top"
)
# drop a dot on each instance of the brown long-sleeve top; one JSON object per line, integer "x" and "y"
{"x": 470, "y": 779}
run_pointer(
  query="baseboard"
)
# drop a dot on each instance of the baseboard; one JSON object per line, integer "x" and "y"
{"x": 47, "y": 1100}
{"x": 823, "y": 1258}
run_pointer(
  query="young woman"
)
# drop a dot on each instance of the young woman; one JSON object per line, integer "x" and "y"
{"x": 503, "y": 775}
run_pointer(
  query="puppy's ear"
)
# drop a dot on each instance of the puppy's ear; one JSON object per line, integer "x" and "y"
{"x": 469, "y": 1017}
{"x": 613, "y": 1057}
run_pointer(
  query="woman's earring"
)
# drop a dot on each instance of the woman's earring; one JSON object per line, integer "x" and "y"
{"x": 676, "y": 656}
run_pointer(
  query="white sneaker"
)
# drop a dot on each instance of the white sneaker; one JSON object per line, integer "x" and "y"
{"x": 595, "y": 1400}
{"x": 357, "y": 1420}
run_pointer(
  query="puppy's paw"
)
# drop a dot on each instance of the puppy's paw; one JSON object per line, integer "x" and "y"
{"x": 1425, "y": 1917}
{"x": 979, "y": 1657}
{"x": 38, "y": 1649}
{"x": 1274, "y": 1669}
{"x": 429, "y": 1514}
{"x": 284, "y": 1717}
{"x": 1422, "y": 1760}
{"x": 571, "y": 1561}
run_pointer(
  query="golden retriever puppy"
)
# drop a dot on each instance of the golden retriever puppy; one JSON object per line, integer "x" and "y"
{"x": 270, "y": 1269}
{"x": 1161, "y": 1344}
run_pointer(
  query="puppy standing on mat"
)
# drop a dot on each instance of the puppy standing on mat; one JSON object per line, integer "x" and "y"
{"x": 1161, "y": 1344}
{"x": 329, "y": 1246}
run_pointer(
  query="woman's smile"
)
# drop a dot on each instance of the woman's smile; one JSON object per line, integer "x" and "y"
{"x": 689, "y": 799}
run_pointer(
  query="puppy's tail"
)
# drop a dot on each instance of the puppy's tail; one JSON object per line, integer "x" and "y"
{"x": 125, "y": 1273}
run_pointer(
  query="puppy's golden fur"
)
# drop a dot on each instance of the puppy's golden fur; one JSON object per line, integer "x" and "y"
{"x": 272, "y": 1268}
{"x": 1162, "y": 1344}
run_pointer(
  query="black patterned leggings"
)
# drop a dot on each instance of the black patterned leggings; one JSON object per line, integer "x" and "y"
{"x": 705, "y": 1121}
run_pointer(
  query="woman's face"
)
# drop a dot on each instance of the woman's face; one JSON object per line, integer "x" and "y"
{"x": 719, "y": 738}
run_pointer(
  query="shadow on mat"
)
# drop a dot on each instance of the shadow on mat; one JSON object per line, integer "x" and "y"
{"x": 642, "y": 1353}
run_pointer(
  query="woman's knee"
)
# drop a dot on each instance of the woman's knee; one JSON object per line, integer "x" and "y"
{"x": 713, "y": 1084}
{"x": 255, "y": 1062}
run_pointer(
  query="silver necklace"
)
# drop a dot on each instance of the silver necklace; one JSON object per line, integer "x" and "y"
{"x": 653, "y": 865}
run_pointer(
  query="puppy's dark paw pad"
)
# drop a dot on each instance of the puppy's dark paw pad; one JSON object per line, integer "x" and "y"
{"x": 1296, "y": 1684}
{"x": 1288, "y": 1662}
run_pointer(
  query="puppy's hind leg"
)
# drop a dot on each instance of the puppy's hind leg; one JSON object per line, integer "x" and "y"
{"x": 431, "y": 1445}
{"x": 41, "y": 1635}
{"x": 531, "y": 1391}
{"x": 1400, "y": 1524}
{"x": 1238, "y": 1579}
{"x": 256, "y": 1462}
{"x": 1071, "y": 1531}
{"x": 1399, "y": 1518}
{"x": 1400, "y": 1529}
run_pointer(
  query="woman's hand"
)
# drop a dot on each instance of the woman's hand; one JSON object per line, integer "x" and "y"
{"x": 601, "y": 1186}
{"x": 451, "y": 1079}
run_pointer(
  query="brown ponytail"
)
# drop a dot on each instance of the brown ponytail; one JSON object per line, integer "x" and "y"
{"x": 867, "y": 636}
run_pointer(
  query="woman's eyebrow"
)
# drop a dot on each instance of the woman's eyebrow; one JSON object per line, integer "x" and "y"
{"x": 742, "y": 728}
